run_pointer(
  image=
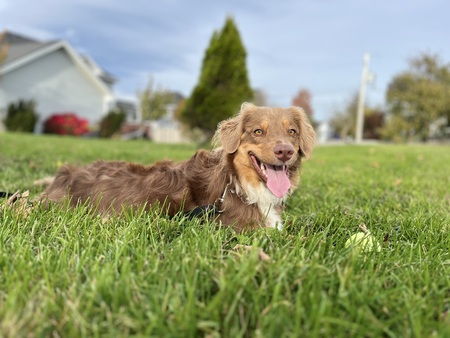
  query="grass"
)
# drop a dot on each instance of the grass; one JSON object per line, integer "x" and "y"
{"x": 64, "y": 273}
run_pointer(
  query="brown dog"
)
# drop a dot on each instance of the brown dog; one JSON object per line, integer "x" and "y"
{"x": 247, "y": 178}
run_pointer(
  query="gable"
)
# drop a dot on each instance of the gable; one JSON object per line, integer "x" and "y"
{"x": 28, "y": 53}
{"x": 21, "y": 50}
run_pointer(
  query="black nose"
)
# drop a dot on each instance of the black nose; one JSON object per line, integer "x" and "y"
{"x": 283, "y": 152}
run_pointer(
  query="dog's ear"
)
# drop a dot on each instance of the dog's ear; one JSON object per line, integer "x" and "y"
{"x": 307, "y": 134}
{"x": 228, "y": 134}
{"x": 247, "y": 106}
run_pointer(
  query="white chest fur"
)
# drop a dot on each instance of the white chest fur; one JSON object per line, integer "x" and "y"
{"x": 266, "y": 203}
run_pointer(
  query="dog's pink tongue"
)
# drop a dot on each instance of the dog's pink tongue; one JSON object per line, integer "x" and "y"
{"x": 277, "y": 180}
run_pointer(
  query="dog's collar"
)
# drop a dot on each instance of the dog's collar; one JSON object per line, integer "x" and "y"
{"x": 4, "y": 194}
{"x": 210, "y": 209}
{"x": 205, "y": 210}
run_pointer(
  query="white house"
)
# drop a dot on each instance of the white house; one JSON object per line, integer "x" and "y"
{"x": 56, "y": 76}
{"x": 323, "y": 132}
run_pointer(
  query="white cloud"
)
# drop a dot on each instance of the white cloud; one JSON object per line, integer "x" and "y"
{"x": 290, "y": 44}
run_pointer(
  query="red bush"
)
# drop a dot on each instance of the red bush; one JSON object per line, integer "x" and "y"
{"x": 66, "y": 124}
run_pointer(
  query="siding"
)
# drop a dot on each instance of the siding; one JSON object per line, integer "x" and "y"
{"x": 57, "y": 85}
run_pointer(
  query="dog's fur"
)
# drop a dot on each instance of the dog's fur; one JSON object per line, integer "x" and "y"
{"x": 274, "y": 136}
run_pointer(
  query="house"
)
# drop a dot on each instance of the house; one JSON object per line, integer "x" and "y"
{"x": 166, "y": 129}
{"x": 324, "y": 132}
{"x": 56, "y": 76}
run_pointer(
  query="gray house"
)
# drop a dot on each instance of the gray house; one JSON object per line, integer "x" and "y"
{"x": 56, "y": 76}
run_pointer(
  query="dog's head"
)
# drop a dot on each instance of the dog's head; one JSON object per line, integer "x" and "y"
{"x": 267, "y": 144}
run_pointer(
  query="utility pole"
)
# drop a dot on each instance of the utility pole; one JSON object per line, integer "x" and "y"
{"x": 366, "y": 78}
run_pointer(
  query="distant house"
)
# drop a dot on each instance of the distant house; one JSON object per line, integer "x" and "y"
{"x": 56, "y": 76}
{"x": 166, "y": 129}
{"x": 323, "y": 132}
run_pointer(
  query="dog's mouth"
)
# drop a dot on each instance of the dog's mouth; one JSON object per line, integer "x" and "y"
{"x": 276, "y": 177}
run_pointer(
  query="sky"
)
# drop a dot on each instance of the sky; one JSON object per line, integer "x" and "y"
{"x": 291, "y": 45}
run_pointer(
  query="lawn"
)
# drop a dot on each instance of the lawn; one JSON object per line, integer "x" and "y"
{"x": 65, "y": 273}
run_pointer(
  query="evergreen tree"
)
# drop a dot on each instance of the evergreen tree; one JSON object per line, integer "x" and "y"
{"x": 21, "y": 116}
{"x": 223, "y": 85}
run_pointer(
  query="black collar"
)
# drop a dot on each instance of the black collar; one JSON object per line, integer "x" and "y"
{"x": 205, "y": 210}
{"x": 5, "y": 194}
{"x": 213, "y": 209}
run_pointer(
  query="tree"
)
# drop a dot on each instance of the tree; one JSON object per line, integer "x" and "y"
{"x": 373, "y": 123}
{"x": 21, "y": 116}
{"x": 344, "y": 121}
{"x": 111, "y": 123}
{"x": 303, "y": 100}
{"x": 223, "y": 85}
{"x": 153, "y": 101}
{"x": 417, "y": 98}
{"x": 259, "y": 97}
{"x": 3, "y": 54}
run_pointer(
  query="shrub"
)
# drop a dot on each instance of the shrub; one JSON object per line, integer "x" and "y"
{"x": 66, "y": 124}
{"x": 110, "y": 124}
{"x": 21, "y": 116}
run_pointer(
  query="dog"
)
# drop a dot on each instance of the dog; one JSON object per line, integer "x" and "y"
{"x": 247, "y": 177}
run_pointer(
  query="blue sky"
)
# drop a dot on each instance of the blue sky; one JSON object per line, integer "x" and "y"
{"x": 291, "y": 44}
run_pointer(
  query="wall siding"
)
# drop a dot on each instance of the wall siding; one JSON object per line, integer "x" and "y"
{"x": 57, "y": 85}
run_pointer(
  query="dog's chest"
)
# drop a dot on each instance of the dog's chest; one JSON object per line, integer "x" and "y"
{"x": 267, "y": 203}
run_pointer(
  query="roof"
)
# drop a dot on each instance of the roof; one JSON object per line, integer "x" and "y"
{"x": 22, "y": 49}
{"x": 19, "y": 45}
{"x": 14, "y": 38}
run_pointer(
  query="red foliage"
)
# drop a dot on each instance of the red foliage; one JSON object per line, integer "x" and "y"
{"x": 303, "y": 99}
{"x": 66, "y": 124}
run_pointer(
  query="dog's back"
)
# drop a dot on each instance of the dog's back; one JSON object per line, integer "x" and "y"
{"x": 111, "y": 186}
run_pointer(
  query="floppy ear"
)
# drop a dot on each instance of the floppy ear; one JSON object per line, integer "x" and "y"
{"x": 307, "y": 134}
{"x": 229, "y": 132}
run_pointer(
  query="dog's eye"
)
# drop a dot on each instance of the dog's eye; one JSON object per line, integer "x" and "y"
{"x": 292, "y": 132}
{"x": 258, "y": 132}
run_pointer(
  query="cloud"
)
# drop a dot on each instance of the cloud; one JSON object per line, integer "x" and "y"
{"x": 290, "y": 44}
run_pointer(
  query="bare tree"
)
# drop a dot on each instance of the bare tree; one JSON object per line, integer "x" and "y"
{"x": 153, "y": 101}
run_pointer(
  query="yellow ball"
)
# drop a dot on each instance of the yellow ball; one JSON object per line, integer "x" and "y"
{"x": 364, "y": 242}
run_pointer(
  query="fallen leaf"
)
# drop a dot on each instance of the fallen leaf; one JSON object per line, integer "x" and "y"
{"x": 348, "y": 169}
{"x": 43, "y": 182}
{"x": 248, "y": 248}
{"x": 19, "y": 203}
{"x": 12, "y": 198}
{"x": 397, "y": 182}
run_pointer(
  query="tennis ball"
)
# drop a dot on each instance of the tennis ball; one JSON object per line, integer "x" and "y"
{"x": 362, "y": 241}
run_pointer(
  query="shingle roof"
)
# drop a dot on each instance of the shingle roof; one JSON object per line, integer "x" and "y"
{"x": 14, "y": 38}
{"x": 19, "y": 45}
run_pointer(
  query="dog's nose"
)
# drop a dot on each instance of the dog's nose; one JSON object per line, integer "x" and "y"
{"x": 283, "y": 152}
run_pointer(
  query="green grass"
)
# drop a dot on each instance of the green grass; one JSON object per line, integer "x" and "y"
{"x": 64, "y": 273}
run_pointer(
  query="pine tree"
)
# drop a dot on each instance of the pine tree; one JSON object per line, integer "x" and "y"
{"x": 223, "y": 83}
